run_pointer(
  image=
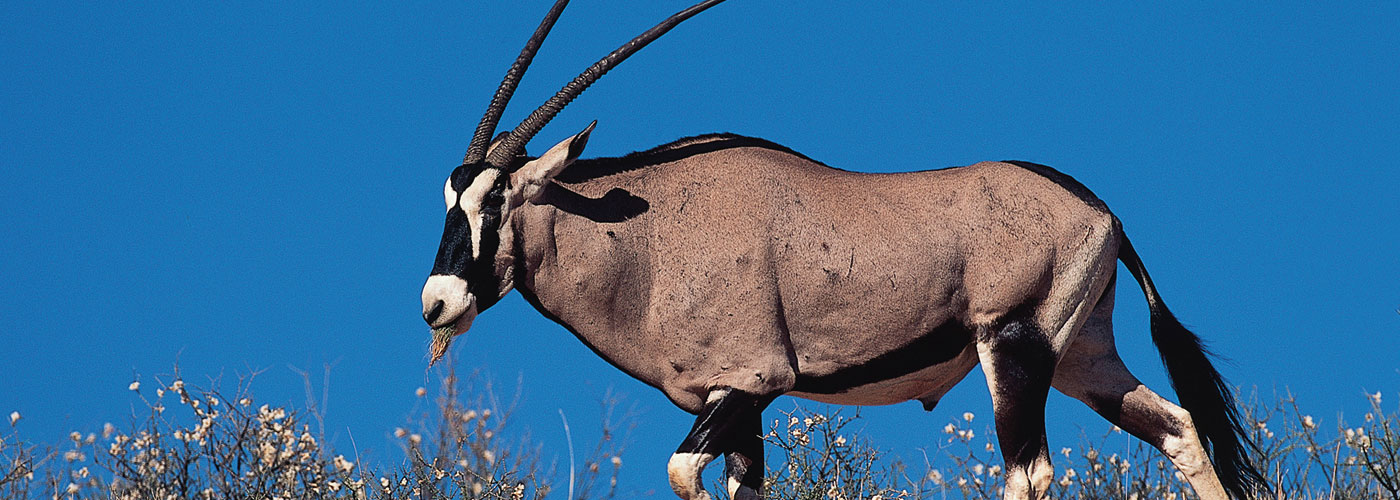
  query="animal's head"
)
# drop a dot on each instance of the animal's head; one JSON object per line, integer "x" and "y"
{"x": 474, "y": 266}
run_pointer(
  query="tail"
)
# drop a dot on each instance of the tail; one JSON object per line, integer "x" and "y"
{"x": 1202, "y": 391}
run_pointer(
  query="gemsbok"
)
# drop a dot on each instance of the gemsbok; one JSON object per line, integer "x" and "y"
{"x": 726, "y": 271}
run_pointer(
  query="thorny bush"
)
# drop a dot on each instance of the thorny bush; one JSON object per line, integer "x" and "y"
{"x": 196, "y": 443}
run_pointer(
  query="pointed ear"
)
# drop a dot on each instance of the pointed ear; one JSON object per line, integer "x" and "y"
{"x": 531, "y": 178}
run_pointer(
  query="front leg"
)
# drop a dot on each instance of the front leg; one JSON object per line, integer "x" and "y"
{"x": 730, "y": 423}
{"x": 744, "y": 464}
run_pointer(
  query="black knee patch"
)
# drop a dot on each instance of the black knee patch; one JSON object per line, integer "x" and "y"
{"x": 731, "y": 423}
{"x": 748, "y": 441}
{"x": 1024, "y": 366}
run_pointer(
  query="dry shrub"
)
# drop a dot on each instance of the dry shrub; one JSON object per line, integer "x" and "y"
{"x": 818, "y": 458}
{"x": 196, "y": 443}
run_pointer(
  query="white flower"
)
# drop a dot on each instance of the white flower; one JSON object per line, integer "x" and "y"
{"x": 839, "y": 441}
{"x": 1066, "y": 452}
{"x": 399, "y": 432}
{"x": 415, "y": 438}
{"x": 990, "y": 448}
{"x": 949, "y": 429}
{"x": 1376, "y": 398}
{"x": 977, "y": 469}
{"x": 616, "y": 461}
{"x": 967, "y": 416}
{"x": 14, "y": 417}
{"x": 994, "y": 470}
{"x": 342, "y": 464}
{"x": 384, "y": 482}
{"x": 420, "y": 392}
{"x": 1308, "y": 422}
{"x": 134, "y": 386}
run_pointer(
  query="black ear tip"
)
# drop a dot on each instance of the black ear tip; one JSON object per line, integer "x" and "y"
{"x": 580, "y": 140}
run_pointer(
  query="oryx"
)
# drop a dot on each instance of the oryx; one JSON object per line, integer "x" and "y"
{"x": 727, "y": 271}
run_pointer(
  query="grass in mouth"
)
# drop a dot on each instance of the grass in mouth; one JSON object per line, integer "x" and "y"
{"x": 442, "y": 338}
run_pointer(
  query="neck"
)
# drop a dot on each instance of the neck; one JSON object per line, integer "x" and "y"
{"x": 534, "y": 242}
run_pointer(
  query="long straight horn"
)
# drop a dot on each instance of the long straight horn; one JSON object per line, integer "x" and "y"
{"x": 477, "y": 149}
{"x": 522, "y": 134}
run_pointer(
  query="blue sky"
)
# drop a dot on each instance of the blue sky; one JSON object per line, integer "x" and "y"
{"x": 258, "y": 186}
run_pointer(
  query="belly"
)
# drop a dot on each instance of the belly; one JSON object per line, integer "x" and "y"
{"x": 926, "y": 385}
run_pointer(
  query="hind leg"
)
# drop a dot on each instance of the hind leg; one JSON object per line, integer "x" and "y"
{"x": 1091, "y": 371}
{"x": 1019, "y": 362}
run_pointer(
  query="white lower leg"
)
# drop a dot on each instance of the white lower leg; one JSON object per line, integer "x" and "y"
{"x": 736, "y": 465}
{"x": 684, "y": 472}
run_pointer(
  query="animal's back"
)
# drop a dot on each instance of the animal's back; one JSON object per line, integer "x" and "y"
{"x": 997, "y": 225}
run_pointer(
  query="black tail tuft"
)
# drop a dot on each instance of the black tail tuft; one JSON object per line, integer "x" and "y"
{"x": 1203, "y": 392}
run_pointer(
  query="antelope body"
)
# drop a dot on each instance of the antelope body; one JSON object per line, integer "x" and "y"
{"x": 726, "y": 271}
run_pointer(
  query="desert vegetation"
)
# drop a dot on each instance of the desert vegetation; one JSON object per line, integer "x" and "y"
{"x": 202, "y": 443}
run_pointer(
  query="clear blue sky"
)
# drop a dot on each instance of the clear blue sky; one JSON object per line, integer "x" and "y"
{"x": 258, "y": 186}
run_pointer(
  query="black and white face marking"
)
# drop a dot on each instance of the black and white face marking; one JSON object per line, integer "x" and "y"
{"x": 463, "y": 281}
